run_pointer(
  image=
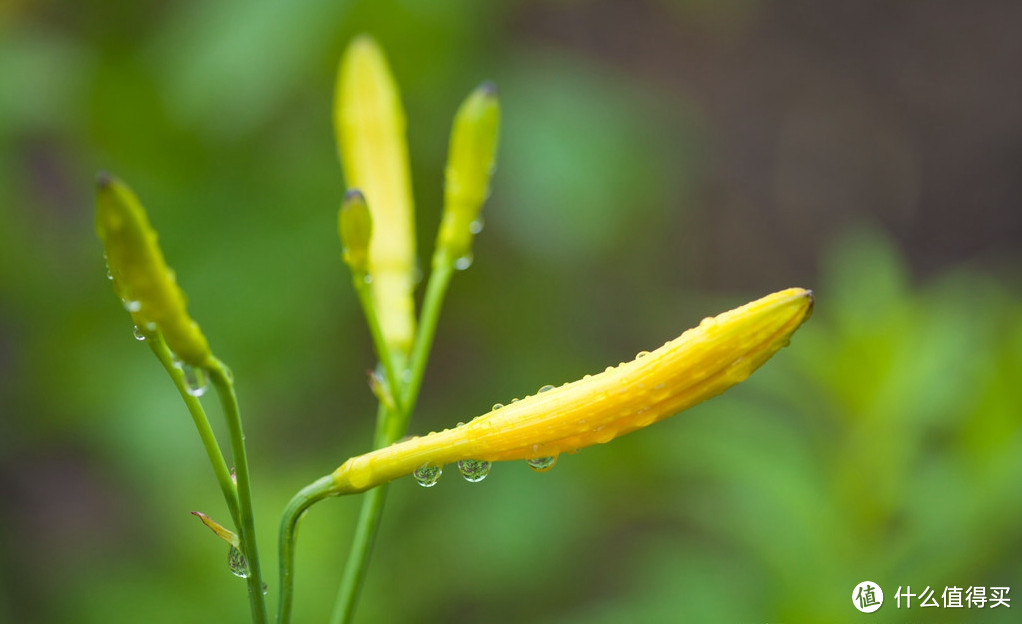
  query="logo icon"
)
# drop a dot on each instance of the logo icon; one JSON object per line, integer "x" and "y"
{"x": 867, "y": 597}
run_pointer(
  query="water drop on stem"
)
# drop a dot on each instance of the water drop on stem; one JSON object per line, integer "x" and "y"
{"x": 237, "y": 563}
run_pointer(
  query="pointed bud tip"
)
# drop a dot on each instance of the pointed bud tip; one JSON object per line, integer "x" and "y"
{"x": 354, "y": 195}
{"x": 488, "y": 88}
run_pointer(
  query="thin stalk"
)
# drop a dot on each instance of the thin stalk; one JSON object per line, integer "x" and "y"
{"x": 387, "y": 358}
{"x": 358, "y": 559}
{"x": 209, "y": 441}
{"x": 436, "y": 289}
{"x": 246, "y": 527}
{"x": 315, "y": 491}
{"x": 391, "y": 426}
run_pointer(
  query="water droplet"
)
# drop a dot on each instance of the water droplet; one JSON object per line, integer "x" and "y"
{"x": 497, "y": 406}
{"x": 541, "y": 464}
{"x": 150, "y": 326}
{"x": 474, "y": 470}
{"x": 236, "y": 562}
{"x": 109, "y": 275}
{"x": 137, "y": 332}
{"x": 195, "y": 380}
{"x": 132, "y": 306}
{"x": 515, "y": 400}
{"x": 368, "y": 279}
{"x": 476, "y": 226}
{"x": 428, "y": 475}
{"x": 641, "y": 354}
{"x": 547, "y": 388}
{"x": 463, "y": 262}
{"x": 266, "y": 589}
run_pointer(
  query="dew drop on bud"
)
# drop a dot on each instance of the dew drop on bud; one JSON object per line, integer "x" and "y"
{"x": 496, "y": 406}
{"x": 541, "y": 464}
{"x": 463, "y": 262}
{"x": 132, "y": 306}
{"x": 195, "y": 380}
{"x": 547, "y": 388}
{"x": 137, "y": 332}
{"x": 474, "y": 470}
{"x": 236, "y": 562}
{"x": 428, "y": 475}
{"x": 476, "y": 226}
{"x": 641, "y": 354}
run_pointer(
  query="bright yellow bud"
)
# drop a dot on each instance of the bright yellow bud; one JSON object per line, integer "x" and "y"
{"x": 140, "y": 275}
{"x": 370, "y": 126}
{"x": 470, "y": 163}
{"x": 701, "y": 363}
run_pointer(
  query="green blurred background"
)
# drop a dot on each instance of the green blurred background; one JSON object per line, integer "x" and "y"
{"x": 661, "y": 161}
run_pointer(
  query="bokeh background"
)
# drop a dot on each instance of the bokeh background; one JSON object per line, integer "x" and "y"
{"x": 660, "y": 161}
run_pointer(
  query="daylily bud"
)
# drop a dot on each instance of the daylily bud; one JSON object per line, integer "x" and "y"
{"x": 140, "y": 275}
{"x": 355, "y": 225}
{"x": 699, "y": 364}
{"x": 470, "y": 163}
{"x": 370, "y": 126}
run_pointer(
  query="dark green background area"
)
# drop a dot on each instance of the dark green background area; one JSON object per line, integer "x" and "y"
{"x": 660, "y": 161}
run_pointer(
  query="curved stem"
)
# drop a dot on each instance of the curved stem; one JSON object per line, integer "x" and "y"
{"x": 209, "y": 441}
{"x": 246, "y": 527}
{"x": 315, "y": 491}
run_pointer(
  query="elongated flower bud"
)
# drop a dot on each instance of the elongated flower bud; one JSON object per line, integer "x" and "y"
{"x": 470, "y": 163}
{"x": 370, "y": 126}
{"x": 140, "y": 275}
{"x": 355, "y": 225}
{"x": 699, "y": 364}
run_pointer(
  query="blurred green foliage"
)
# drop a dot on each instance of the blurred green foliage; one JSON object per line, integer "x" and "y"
{"x": 884, "y": 445}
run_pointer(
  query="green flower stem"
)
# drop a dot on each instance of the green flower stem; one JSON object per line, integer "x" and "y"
{"x": 394, "y": 425}
{"x": 358, "y": 559}
{"x": 221, "y": 379}
{"x": 387, "y": 357}
{"x": 315, "y": 491}
{"x": 436, "y": 289}
{"x": 209, "y": 442}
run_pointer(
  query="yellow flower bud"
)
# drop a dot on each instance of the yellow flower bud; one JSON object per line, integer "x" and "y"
{"x": 140, "y": 275}
{"x": 700, "y": 364}
{"x": 355, "y": 225}
{"x": 470, "y": 162}
{"x": 370, "y": 126}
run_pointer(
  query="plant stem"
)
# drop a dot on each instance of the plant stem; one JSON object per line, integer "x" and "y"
{"x": 387, "y": 358}
{"x": 209, "y": 441}
{"x": 358, "y": 559}
{"x": 315, "y": 491}
{"x": 246, "y": 527}
{"x": 391, "y": 426}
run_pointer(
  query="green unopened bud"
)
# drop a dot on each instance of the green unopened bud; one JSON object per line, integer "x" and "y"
{"x": 140, "y": 275}
{"x": 470, "y": 162}
{"x": 355, "y": 225}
